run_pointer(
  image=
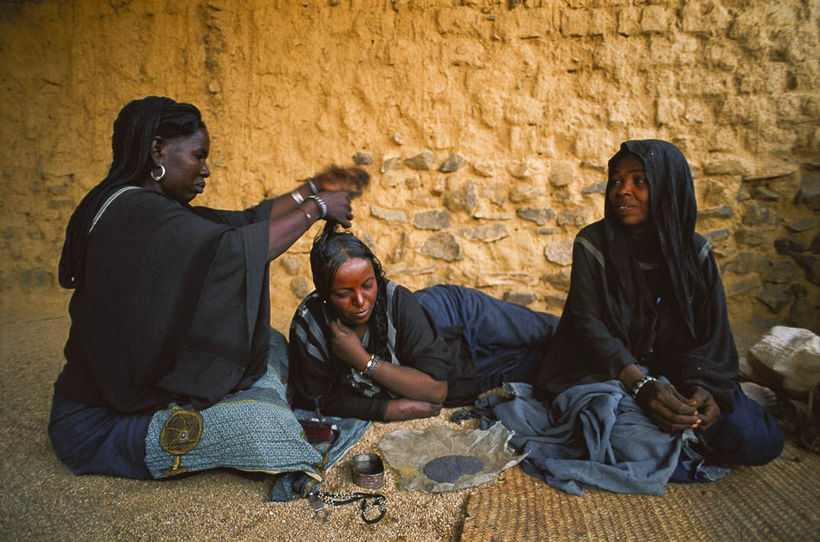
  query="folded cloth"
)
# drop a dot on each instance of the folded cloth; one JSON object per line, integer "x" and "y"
{"x": 592, "y": 435}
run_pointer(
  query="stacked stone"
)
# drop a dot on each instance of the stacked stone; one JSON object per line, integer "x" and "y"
{"x": 770, "y": 251}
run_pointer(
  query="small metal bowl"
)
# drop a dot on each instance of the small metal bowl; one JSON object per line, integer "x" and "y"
{"x": 368, "y": 471}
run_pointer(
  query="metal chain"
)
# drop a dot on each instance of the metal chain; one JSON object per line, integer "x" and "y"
{"x": 368, "y": 500}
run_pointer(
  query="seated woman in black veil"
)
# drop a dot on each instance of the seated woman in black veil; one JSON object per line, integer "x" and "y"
{"x": 171, "y": 303}
{"x": 645, "y": 301}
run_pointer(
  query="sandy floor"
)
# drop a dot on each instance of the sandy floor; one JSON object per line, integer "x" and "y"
{"x": 41, "y": 500}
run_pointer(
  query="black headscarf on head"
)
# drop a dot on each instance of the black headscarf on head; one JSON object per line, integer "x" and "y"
{"x": 673, "y": 212}
{"x": 134, "y": 129}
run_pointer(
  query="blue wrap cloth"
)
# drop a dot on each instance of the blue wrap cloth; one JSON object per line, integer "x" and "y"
{"x": 591, "y": 436}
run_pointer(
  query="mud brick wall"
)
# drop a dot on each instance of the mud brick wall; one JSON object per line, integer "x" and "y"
{"x": 486, "y": 127}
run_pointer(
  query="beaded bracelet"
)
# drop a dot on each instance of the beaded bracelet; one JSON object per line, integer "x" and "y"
{"x": 641, "y": 383}
{"x": 322, "y": 205}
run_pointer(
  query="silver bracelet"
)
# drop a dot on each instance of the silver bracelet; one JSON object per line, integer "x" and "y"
{"x": 297, "y": 197}
{"x": 322, "y": 205}
{"x": 370, "y": 368}
{"x": 641, "y": 383}
{"x": 312, "y": 186}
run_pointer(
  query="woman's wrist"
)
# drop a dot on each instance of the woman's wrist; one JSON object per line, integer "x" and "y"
{"x": 371, "y": 366}
{"x": 630, "y": 376}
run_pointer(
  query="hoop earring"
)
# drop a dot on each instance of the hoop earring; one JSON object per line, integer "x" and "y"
{"x": 159, "y": 177}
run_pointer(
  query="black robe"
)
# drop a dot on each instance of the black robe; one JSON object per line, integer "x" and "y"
{"x": 612, "y": 318}
{"x": 174, "y": 306}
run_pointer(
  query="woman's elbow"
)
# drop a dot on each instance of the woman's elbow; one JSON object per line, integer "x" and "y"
{"x": 438, "y": 392}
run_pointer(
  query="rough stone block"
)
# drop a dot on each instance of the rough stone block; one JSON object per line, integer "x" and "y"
{"x": 539, "y": 215}
{"x": 803, "y": 224}
{"x": 291, "y": 264}
{"x": 300, "y": 287}
{"x": 432, "y": 220}
{"x": 362, "y": 158}
{"x": 559, "y": 279}
{"x": 520, "y": 298}
{"x": 775, "y": 297}
{"x": 421, "y": 162}
{"x": 597, "y": 188}
{"x": 757, "y": 214}
{"x": 751, "y": 238}
{"x": 462, "y": 198}
{"x": 782, "y": 272}
{"x": 789, "y": 247}
{"x": 453, "y": 163}
{"x": 743, "y": 285}
{"x": 749, "y": 262}
{"x": 600, "y": 22}
{"x": 764, "y": 194}
{"x": 629, "y": 21}
{"x": 443, "y": 246}
{"x": 715, "y": 236}
{"x": 486, "y": 234}
{"x": 811, "y": 266}
{"x": 484, "y": 169}
{"x": 722, "y": 212}
{"x": 559, "y": 253}
{"x": 575, "y": 22}
{"x": 655, "y": 19}
{"x": 388, "y": 215}
{"x": 523, "y": 193}
{"x": 572, "y": 217}
{"x": 391, "y": 163}
{"x": 562, "y": 174}
{"x": 36, "y": 278}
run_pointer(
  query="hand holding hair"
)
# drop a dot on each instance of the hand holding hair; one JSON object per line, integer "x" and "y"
{"x": 337, "y": 206}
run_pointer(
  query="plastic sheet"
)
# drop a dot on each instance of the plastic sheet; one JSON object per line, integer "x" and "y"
{"x": 472, "y": 457}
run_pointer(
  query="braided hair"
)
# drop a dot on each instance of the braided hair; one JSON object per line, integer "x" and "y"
{"x": 331, "y": 249}
{"x": 135, "y": 127}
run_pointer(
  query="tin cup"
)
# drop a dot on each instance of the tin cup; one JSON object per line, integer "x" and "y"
{"x": 368, "y": 471}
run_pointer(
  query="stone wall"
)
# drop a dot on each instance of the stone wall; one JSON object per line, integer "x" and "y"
{"x": 486, "y": 126}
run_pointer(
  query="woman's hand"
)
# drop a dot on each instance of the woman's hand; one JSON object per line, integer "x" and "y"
{"x": 410, "y": 409}
{"x": 350, "y": 180}
{"x": 666, "y": 407}
{"x": 346, "y": 345}
{"x": 707, "y": 408}
{"x": 338, "y": 207}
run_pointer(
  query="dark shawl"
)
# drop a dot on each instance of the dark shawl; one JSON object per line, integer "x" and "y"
{"x": 174, "y": 305}
{"x": 611, "y": 319}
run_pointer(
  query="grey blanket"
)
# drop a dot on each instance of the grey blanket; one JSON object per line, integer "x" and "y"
{"x": 593, "y": 435}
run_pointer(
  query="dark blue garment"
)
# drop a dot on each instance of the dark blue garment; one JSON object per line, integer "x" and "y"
{"x": 97, "y": 440}
{"x": 506, "y": 340}
{"x": 749, "y": 435}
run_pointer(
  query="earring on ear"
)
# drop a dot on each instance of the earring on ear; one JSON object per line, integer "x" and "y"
{"x": 161, "y": 175}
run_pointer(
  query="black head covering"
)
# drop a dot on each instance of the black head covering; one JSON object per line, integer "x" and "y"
{"x": 134, "y": 129}
{"x": 673, "y": 212}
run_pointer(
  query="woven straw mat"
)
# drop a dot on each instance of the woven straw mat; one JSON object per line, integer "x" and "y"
{"x": 778, "y": 501}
